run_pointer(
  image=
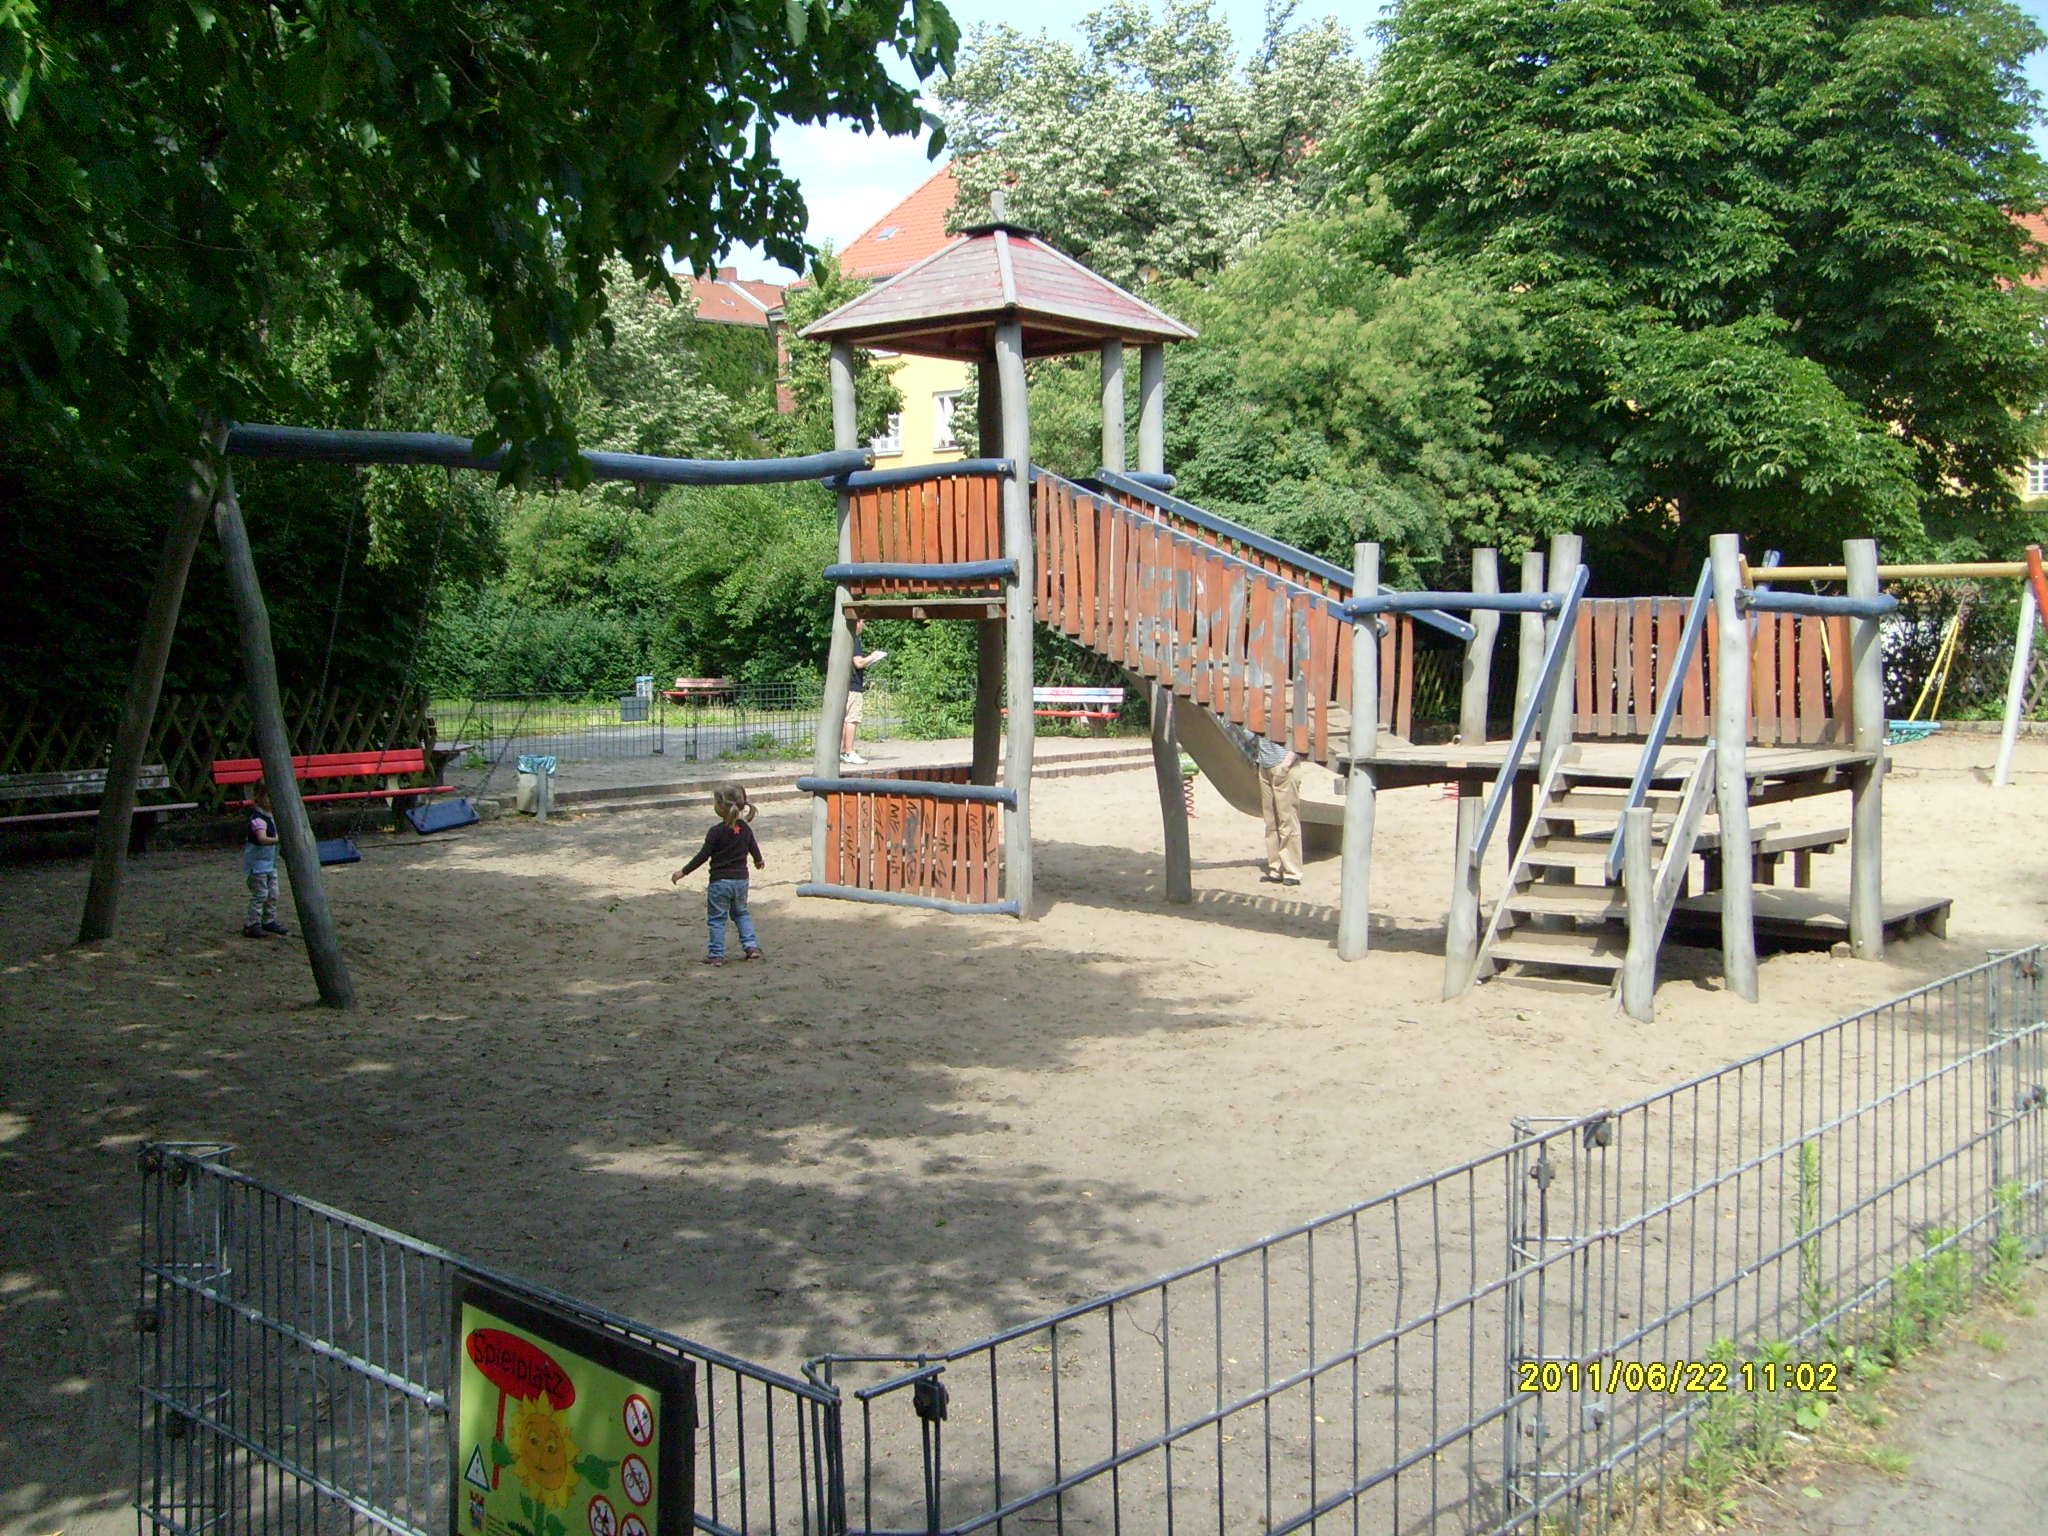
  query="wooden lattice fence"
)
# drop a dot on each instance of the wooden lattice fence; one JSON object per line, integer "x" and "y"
{"x": 192, "y": 730}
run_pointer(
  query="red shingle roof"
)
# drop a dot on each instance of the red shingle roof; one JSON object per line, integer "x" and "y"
{"x": 2036, "y": 225}
{"x": 726, "y": 300}
{"x": 914, "y": 229}
{"x": 948, "y": 304}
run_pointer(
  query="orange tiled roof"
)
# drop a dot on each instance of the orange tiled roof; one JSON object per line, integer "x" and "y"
{"x": 724, "y": 299}
{"x": 2036, "y": 225}
{"x": 907, "y": 233}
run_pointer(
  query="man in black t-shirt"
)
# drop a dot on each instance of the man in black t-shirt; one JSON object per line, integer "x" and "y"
{"x": 856, "y": 698}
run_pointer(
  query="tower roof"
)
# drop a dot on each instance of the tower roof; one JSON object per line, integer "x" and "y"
{"x": 949, "y": 304}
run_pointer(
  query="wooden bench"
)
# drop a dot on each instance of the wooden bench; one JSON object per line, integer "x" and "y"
{"x": 1771, "y": 847}
{"x": 1098, "y": 706}
{"x": 87, "y": 784}
{"x": 699, "y": 690}
{"x": 390, "y": 766}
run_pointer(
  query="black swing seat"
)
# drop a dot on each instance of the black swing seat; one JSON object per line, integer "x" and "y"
{"x": 444, "y": 817}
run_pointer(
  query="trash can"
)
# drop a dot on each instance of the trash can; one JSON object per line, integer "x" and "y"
{"x": 632, "y": 708}
{"x": 536, "y": 786}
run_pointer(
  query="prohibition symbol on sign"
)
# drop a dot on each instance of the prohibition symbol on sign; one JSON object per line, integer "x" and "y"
{"x": 632, "y": 1525}
{"x": 639, "y": 1419}
{"x": 604, "y": 1520}
{"x": 635, "y": 1479}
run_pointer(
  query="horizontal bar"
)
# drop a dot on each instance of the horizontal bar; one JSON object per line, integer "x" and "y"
{"x": 906, "y": 899}
{"x": 925, "y": 789}
{"x": 1151, "y": 481}
{"x": 1496, "y": 602}
{"x": 916, "y": 474}
{"x": 315, "y": 445}
{"x": 1953, "y": 570}
{"x": 883, "y": 570}
{"x": 1814, "y": 603}
{"x": 1251, "y": 538}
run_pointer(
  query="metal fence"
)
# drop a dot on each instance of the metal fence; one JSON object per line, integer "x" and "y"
{"x": 1366, "y": 1371}
{"x": 770, "y": 720}
{"x": 1549, "y": 1337}
{"x": 296, "y": 1363}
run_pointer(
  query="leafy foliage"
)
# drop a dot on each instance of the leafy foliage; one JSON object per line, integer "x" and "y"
{"x": 1149, "y": 149}
{"x": 1760, "y": 254}
{"x": 179, "y": 177}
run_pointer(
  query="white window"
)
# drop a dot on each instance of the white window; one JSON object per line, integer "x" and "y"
{"x": 944, "y": 403}
{"x": 891, "y": 440}
{"x": 2037, "y": 477}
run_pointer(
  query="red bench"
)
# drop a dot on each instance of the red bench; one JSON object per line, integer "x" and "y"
{"x": 699, "y": 690}
{"x": 1098, "y": 706}
{"x": 390, "y": 766}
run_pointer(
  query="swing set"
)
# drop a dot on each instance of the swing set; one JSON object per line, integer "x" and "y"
{"x": 210, "y": 495}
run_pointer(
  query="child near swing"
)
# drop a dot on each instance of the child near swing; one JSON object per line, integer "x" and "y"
{"x": 728, "y": 846}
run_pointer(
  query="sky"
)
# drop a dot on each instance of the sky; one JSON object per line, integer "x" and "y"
{"x": 851, "y": 179}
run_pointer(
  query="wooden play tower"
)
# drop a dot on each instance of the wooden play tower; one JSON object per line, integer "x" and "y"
{"x": 1644, "y": 730}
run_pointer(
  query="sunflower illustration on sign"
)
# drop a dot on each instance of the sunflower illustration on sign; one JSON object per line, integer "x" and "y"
{"x": 533, "y": 1439}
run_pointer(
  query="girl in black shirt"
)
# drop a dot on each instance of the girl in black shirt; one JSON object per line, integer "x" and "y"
{"x": 727, "y": 847}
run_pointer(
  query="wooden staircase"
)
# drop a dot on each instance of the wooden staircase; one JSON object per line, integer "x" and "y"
{"x": 1562, "y": 914}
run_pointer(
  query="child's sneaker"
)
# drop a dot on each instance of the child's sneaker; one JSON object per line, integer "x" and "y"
{"x": 714, "y": 959}
{"x": 853, "y": 760}
{"x": 753, "y": 954}
{"x": 251, "y": 931}
{"x": 274, "y": 926}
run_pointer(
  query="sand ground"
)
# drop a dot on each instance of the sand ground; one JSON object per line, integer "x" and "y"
{"x": 902, "y": 1130}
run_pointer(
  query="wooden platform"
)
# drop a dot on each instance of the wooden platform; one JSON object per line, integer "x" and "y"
{"x": 1801, "y": 770}
{"x": 1805, "y": 917}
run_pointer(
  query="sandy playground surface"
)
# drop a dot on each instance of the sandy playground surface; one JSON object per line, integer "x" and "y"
{"x": 903, "y": 1130}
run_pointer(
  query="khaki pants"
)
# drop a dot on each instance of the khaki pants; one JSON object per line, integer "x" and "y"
{"x": 1280, "y": 804}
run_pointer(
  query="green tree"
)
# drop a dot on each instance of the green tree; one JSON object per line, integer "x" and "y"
{"x": 808, "y": 427}
{"x": 177, "y": 176}
{"x": 1761, "y": 255}
{"x": 1149, "y": 148}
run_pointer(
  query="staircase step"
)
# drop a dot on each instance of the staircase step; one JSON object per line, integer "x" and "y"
{"x": 1570, "y": 901}
{"x": 1586, "y": 853}
{"x": 1588, "y": 951}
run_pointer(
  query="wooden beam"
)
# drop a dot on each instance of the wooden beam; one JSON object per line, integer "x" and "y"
{"x": 266, "y": 707}
{"x": 839, "y": 657}
{"x": 1731, "y": 781}
{"x": 145, "y": 688}
{"x": 1113, "y": 406}
{"x": 1354, "y": 902}
{"x": 2016, "y": 685}
{"x": 1016, "y": 494}
{"x": 1461, "y": 923}
{"x": 1866, "y": 780}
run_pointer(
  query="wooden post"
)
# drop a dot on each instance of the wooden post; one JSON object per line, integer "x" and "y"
{"x": 2016, "y": 685}
{"x": 988, "y": 633}
{"x": 1866, "y": 780}
{"x": 1731, "y": 770}
{"x": 1528, "y": 662}
{"x": 1113, "y": 407}
{"x": 1017, "y": 614}
{"x": 1461, "y": 924}
{"x": 266, "y": 708}
{"x": 1354, "y": 902}
{"x": 1639, "y": 882}
{"x": 1558, "y": 717}
{"x": 1152, "y": 408}
{"x": 839, "y": 658}
{"x": 1173, "y": 806}
{"x": 138, "y": 707}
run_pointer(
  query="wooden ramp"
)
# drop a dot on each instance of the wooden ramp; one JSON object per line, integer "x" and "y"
{"x": 1806, "y": 917}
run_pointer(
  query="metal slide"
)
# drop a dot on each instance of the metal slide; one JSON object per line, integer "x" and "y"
{"x": 1203, "y": 738}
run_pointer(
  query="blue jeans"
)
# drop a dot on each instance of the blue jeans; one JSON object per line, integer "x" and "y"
{"x": 728, "y": 898}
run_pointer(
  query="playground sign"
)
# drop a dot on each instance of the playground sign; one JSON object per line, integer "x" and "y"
{"x": 564, "y": 1429}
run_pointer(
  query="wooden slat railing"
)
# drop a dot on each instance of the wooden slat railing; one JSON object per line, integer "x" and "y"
{"x": 949, "y": 520}
{"x": 944, "y": 850}
{"x": 1626, "y": 647}
{"x": 1169, "y": 603}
